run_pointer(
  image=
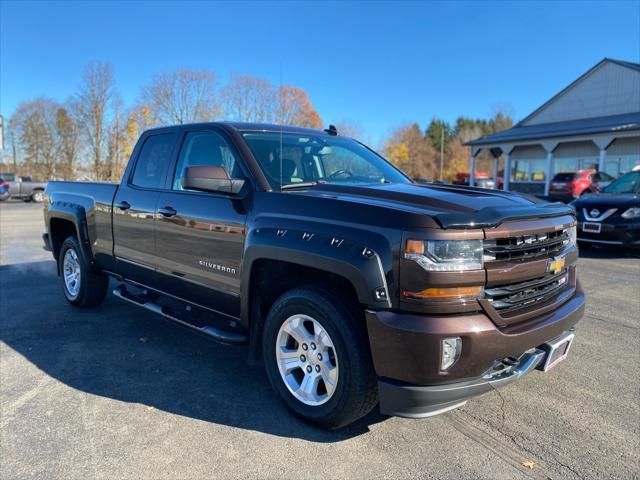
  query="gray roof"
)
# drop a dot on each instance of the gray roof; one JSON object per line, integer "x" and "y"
{"x": 583, "y": 126}
{"x": 624, "y": 63}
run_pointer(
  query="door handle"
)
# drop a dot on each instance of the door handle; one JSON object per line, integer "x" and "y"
{"x": 124, "y": 205}
{"x": 167, "y": 211}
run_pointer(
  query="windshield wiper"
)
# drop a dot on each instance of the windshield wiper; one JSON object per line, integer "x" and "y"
{"x": 289, "y": 186}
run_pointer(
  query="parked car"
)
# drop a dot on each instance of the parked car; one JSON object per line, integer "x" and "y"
{"x": 482, "y": 180}
{"x": 613, "y": 216}
{"x": 24, "y": 187}
{"x": 352, "y": 285}
{"x": 566, "y": 186}
{"x": 4, "y": 189}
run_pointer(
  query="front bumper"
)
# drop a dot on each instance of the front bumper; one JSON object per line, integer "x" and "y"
{"x": 626, "y": 234}
{"x": 406, "y": 355}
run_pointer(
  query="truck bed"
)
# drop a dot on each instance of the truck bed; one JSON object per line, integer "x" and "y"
{"x": 96, "y": 198}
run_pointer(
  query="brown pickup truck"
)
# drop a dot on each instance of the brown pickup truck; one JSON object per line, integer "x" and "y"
{"x": 352, "y": 284}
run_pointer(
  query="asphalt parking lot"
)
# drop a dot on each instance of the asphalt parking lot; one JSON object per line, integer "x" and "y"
{"x": 116, "y": 392}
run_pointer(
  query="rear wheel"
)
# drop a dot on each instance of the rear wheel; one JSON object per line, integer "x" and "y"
{"x": 37, "y": 196}
{"x": 308, "y": 362}
{"x": 82, "y": 286}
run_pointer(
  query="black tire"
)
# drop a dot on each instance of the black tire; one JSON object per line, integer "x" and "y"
{"x": 93, "y": 285}
{"x": 356, "y": 391}
{"x": 37, "y": 196}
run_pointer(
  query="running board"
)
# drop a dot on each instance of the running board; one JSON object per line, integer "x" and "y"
{"x": 141, "y": 301}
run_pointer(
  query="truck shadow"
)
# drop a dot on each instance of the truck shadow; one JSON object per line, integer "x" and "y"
{"x": 118, "y": 351}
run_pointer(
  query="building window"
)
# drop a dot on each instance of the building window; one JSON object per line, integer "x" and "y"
{"x": 530, "y": 170}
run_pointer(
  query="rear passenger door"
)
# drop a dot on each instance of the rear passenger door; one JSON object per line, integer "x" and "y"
{"x": 200, "y": 235}
{"x": 134, "y": 208}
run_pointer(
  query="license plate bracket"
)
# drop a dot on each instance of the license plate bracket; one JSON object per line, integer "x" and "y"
{"x": 591, "y": 227}
{"x": 557, "y": 350}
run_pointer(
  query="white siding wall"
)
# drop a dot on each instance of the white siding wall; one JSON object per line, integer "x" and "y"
{"x": 529, "y": 152}
{"x": 576, "y": 150}
{"x": 609, "y": 90}
{"x": 624, "y": 146}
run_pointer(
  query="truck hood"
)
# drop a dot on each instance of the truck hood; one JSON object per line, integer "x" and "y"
{"x": 452, "y": 206}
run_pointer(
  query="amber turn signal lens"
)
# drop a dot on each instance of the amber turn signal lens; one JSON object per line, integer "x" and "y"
{"x": 444, "y": 292}
{"x": 415, "y": 246}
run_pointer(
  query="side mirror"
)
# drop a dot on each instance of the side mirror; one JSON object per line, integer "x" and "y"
{"x": 211, "y": 179}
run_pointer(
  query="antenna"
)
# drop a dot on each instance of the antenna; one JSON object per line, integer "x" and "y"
{"x": 281, "y": 120}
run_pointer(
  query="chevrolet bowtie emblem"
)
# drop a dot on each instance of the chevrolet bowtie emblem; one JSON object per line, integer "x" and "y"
{"x": 556, "y": 265}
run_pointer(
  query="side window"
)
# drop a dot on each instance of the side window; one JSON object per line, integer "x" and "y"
{"x": 153, "y": 161}
{"x": 205, "y": 149}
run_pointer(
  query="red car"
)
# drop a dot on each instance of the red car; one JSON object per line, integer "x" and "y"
{"x": 570, "y": 185}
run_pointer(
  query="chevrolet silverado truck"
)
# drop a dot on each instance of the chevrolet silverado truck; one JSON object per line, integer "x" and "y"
{"x": 352, "y": 284}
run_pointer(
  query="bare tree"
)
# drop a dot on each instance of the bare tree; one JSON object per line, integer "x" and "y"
{"x": 92, "y": 106}
{"x": 349, "y": 128}
{"x": 182, "y": 96}
{"x": 115, "y": 143}
{"x": 35, "y": 127}
{"x": 68, "y": 142}
{"x": 249, "y": 99}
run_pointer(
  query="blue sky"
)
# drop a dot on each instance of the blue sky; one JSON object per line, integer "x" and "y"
{"x": 380, "y": 64}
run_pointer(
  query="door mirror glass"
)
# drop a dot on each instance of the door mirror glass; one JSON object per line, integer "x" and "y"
{"x": 210, "y": 179}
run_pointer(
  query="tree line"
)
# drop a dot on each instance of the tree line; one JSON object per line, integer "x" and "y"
{"x": 91, "y": 135}
{"x": 418, "y": 152}
{"x": 93, "y": 132}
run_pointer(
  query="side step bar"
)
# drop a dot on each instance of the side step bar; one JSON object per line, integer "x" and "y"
{"x": 216, "y": 333}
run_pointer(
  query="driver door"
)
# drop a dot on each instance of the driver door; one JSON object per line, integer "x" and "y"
{"x": 200, "y": 235}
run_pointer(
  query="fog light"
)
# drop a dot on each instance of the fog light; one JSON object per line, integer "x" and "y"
{"x": 451, "y": 349}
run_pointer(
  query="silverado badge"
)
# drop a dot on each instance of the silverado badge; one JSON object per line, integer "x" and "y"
{"x": 556, "y": 265}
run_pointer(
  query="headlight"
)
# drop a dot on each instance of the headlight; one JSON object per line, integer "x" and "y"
{"x": 571, "y": 235}
{"x": 633, "y": 212}
{"x": 445, "y": 255}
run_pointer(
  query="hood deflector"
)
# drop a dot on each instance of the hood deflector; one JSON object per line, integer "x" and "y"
{"x": 494, "y": 216}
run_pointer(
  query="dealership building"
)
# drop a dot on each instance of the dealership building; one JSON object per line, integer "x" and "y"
{"x": 592, "y": 123}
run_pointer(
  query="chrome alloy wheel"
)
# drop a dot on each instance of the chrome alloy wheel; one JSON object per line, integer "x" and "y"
{"x": 71, "y": 271}
{"x": 307, "y": 360}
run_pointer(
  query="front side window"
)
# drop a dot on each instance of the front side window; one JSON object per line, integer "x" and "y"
{"x": 153, "y": 161}
{"x": 628, "y": 183}
{"x": 205, "y": 149}
{"x": 288, "y": 159}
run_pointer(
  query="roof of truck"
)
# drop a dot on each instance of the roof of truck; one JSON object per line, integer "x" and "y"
{"x": 246, "y": 126}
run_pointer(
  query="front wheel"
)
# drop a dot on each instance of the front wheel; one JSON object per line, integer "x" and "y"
{"x": 317, "y": 357}
{"x": 82, "y": 286}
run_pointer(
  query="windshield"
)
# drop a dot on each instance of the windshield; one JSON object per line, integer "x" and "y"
{"x": 318, "y": 159}
{"x": 628, "y": 183}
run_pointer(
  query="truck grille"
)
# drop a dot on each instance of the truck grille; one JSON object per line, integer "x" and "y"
{"x": 510, "y": 299}
{"x": 525, "y": 247}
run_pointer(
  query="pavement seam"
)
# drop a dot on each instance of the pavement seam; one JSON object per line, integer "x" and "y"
{"x": 494, "y": 445}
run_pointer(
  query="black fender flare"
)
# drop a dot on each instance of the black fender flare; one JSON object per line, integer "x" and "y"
{"x": 362, "y": 263}
{"x": 75, "y": 214}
